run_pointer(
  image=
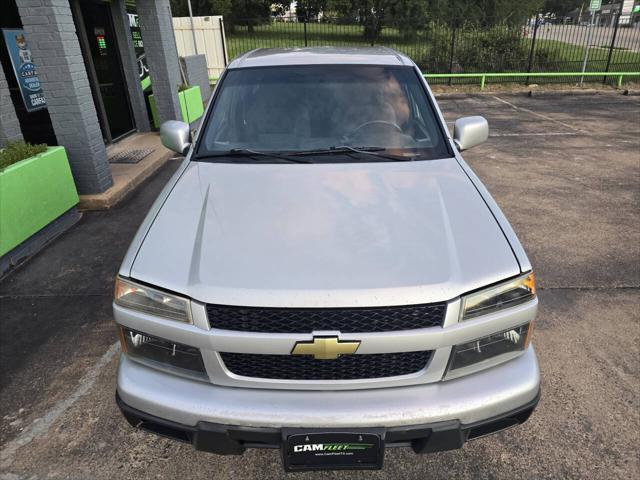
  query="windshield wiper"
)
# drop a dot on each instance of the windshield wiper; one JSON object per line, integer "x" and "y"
{"x": 246, "y": 152}
{"x": 374, "y": 151}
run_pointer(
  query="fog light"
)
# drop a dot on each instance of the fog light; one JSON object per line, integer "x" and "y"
{"x": 488, "y": 351}
{"x": 162, "y": 353}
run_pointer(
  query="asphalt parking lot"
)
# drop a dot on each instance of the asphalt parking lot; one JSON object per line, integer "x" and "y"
{"x": 566, "y": 171}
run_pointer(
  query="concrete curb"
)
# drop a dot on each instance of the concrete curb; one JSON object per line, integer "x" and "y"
{"x": 121, "y": 190}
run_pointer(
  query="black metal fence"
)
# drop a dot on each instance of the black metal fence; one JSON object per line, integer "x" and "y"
{"x": 462, "y": 46}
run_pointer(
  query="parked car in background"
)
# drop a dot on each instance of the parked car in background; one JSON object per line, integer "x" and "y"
{"x": 325, "y": 274}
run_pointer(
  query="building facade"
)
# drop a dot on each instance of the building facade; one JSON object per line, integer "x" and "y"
{"x": 78, "y": 73}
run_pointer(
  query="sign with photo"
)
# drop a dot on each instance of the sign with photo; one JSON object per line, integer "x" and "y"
{"x": 24, "y": 69}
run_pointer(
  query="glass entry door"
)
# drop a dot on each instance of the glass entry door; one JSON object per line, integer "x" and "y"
{"x": 100, "y": 44}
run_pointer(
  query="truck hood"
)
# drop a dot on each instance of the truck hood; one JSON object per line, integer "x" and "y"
{"x": 319, "y": 235}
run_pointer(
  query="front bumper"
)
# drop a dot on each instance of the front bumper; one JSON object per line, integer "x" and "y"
{"x": 235, "y": 439}
{"x": 430, "y": 417}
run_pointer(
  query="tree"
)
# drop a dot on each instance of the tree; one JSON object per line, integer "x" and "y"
{"x": 371, "y": 14}
{"x": 179, "y": 8}
{"x": 484, "y": 12}
{"x": 560, "y": 7}
{"x": 309, "y": 9}
{"x": 409, "y": 16}
{"x": 248, "y": 12}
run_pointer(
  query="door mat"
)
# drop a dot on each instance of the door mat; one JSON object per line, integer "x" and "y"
{"x": 130, "y": 156}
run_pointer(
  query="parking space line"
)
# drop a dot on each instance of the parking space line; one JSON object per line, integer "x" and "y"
{"x": 40, "y": 426}
{"x": 545, "y": 117}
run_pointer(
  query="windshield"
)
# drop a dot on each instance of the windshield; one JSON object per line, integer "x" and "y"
{"x": 297, "y": 109}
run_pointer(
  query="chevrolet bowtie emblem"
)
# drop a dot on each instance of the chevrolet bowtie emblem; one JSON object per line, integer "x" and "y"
{"x": 325, "y": 348}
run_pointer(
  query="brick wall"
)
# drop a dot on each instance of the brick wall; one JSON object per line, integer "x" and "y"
{"x": 52, "y": 37}
{"x": 162, "y": 56}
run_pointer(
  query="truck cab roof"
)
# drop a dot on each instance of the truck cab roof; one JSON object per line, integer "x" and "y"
{"x": 271, "y": 57}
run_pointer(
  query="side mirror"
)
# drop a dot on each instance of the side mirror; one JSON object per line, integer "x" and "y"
{"x": 470, "y": 131}
{"x": 175, "y": 136}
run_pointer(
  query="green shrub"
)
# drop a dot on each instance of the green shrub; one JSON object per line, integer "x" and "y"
{"x": 437, "y": 55}
{"x": 13, "y": 152}
{"x": 496, "y": 49}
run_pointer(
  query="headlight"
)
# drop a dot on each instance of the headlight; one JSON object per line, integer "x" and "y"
{"x": 162, "y": 353}
{"x": 499, "y": 297}
{"x": 149, "y": 300}
{"x": 488, "y": 351}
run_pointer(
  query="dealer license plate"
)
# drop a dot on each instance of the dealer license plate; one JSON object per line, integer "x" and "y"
{"x": 333, "y": 451}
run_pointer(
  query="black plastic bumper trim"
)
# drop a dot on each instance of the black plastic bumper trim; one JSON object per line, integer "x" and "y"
{"x": 235, "y": 439}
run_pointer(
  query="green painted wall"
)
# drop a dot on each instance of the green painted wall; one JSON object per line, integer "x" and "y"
{"x": 33, "y": 193}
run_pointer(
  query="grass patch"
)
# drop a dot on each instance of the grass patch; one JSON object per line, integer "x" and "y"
{"x": 567, "y": 57}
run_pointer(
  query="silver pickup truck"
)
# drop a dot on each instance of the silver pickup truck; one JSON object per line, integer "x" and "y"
{"x": 324, "y": 274}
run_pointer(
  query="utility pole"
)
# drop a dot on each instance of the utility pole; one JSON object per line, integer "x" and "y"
{"x": 193, "y": 31}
